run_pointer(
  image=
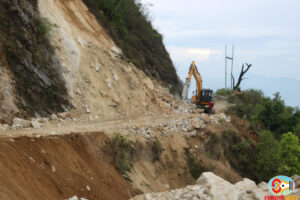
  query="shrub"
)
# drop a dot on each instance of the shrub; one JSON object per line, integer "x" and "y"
{"x": 223, "y": 92}
{"x": 266, "y": 156}
{"x": 43, "y": 26}
{"x": 289, "y": 155}
{"x": 194, "y": 165}
{"x": 122, "y": 151}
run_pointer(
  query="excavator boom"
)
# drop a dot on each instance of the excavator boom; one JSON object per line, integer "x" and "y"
{"x": 192, "y": 72}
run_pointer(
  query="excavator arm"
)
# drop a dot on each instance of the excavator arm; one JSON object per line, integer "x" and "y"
{"x": 193, "y": 72}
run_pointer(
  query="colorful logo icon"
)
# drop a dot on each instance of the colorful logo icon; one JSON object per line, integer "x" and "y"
{"x": 281, "y": 185}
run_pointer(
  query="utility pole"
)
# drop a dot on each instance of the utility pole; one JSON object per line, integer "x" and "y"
{"x": 232, "y": 69}
{"x": 226, "y": 69}
{"x": 231, "y": 73}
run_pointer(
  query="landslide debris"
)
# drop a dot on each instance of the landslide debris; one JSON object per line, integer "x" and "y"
{"x": 211, "y": 187}
{"x": 130, "y": 27}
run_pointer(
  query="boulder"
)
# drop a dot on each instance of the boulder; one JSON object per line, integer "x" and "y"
{"x": 149, "y": 84}
{"x": 212, "y": 187}
{"x": 4, "y": 127}
{"x": 245, "y": 184}
{"x": 53, "y": 117}
{"x": 21, "y": 123}
{"x": 218, "y": 187}
{"x": 63, "y": 115}
{"x": 197, "y": 123}
{"x": 35, "y": 124}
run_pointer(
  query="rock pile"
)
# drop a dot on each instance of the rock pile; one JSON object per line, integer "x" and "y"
{"x": 211, "y": 187}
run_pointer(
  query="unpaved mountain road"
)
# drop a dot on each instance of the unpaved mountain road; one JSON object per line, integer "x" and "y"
{"x": 84, "y": 126}
{"x": 55, "y": 128}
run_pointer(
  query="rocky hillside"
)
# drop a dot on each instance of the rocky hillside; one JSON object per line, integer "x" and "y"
{"x": 56, "y": 56}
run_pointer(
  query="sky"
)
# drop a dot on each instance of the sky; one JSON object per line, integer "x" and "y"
{"x": 265, "y": 33}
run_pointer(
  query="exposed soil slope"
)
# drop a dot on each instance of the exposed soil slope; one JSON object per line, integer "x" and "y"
{"x": 59, "y": 168}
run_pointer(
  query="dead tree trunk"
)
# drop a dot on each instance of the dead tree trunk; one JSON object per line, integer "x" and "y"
{"x": 241, "y": 77}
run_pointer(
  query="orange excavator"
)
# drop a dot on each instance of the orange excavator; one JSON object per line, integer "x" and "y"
{"x": 204, "y": 98}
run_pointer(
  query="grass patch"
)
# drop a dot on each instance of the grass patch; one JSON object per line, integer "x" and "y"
{"x": 122, "y": 151}
{"x": 43, "y": 26}
{"x": 194, "y": 164}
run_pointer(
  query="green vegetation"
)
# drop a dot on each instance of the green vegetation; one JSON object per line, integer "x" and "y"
{"x": 266, "y": 113}
{"x": 266, "y": 156}
{"x": 43, "y": 26}
{"x": 194, "y": 164}
{"x": 223, "y": 92}
{"x": 278, "y": 149}
{"x": 289, "y": 155}
{"x": 122, "y": 153}
{"x": 128, "y": 24}
{"x": 25, "y": 44}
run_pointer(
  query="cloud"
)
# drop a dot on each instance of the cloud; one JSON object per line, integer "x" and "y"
{"x": 183, "y": 54}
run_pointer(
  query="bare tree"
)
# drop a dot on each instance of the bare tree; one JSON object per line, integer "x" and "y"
{"x": 241, "y": 77}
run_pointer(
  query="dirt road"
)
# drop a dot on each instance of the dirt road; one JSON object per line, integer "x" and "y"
{"x": 55, "y": 128}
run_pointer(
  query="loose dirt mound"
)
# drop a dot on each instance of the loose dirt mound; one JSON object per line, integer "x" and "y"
{"x": 59, "y": 168}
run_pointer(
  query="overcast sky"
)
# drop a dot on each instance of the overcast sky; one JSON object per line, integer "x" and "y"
{"x": 266, "y": 33}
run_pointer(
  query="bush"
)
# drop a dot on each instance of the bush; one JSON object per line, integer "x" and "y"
{"x": 266, "y": 156}
{"x": 246, "y": 104}
{"x": 122, "y": 151}
{"x": 194, "y": 165}
{"x": 289, "y": 155}
{"x": 223, "y": 92}
{"x": 43, "y": 27}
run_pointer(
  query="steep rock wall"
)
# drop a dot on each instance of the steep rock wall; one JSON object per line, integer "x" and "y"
{"x": 100, "y": 82}
{"x": 34, "y": 71}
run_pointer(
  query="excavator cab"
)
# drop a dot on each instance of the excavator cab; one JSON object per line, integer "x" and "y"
{"x": 206, "y": 101}
{"x": 207, "y": 95}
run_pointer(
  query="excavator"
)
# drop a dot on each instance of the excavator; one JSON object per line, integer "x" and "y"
{"x": 204, "y": 98}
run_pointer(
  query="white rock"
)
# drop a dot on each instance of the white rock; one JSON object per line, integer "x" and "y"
{"x": 73, "y": 198}
{"x": 108, "y": 82}
{"x": 21, "y": 123}
{"x": 78, "y": 91}
{"x": 53, "y": 168}
{"x": 35, "y": 124}
{"x": 211, "y": 187}
{"x": 63, "y": 115}
{"x": 88, "y": 188}
{"x": 197, "y": 123}
{"x": 245, "y": 183}
{"x": 53, "y": 117}
{"x": 149, "y": 84}
{"x": 88, "y": 110}
{"x": 116, "y": 77}
{"x": 98, "y": 67}
{"x": 44, "y": 120}
{"x": 4, "y": 127}
{"x": 218, "y": 187}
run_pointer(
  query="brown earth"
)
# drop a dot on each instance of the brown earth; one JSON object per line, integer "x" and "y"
{"x": 59, "y": 167}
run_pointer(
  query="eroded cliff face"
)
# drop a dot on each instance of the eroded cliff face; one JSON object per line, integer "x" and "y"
{"x": 56, "y": 57}
{"x": 27, "y": 59}
{"x": 100, "y": 81}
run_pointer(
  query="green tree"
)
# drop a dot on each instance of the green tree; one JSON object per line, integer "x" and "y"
{"x": 266, "y": 156}
{"x": 289, "y": 155}
{"x": 271, "y": 115}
